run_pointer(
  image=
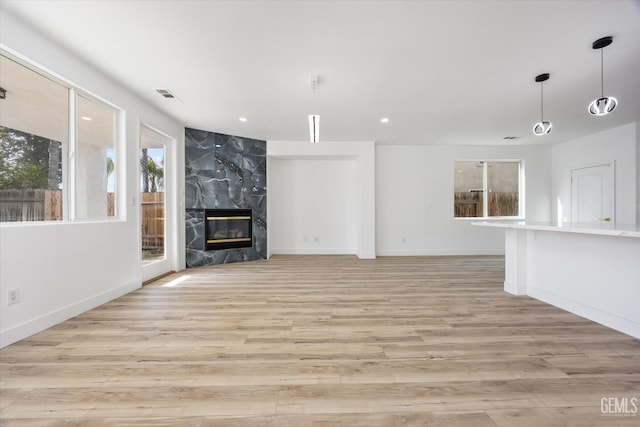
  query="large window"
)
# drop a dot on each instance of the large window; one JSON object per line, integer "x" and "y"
{"x": 34, "y": 130}
{"x": 484, "y": 189}
{"x": 96, "y": 161}
{"x": 47, "y": 172}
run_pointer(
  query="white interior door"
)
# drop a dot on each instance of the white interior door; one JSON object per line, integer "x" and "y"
{"x": 592, "y": 193}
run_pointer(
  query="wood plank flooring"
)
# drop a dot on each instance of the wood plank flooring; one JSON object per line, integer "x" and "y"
{"x": 322, "y": 341}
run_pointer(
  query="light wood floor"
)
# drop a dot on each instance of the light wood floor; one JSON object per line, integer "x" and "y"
{"x": 322, "y": 341}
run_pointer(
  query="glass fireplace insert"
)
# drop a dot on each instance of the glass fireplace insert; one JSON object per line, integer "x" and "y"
{"x": 228, "y": 229}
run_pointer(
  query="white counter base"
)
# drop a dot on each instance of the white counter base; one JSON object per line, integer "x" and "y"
{"x": 594, "y": 275}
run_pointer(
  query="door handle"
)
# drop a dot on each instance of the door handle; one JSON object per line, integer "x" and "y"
{"x": 606, "y": 219}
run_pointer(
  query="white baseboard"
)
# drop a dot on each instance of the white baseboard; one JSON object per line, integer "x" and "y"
{"x": 373, "y": 255}
{"x": 610, "y": 320}
{"x": 314, "y": 251}
{"x": 16, "y": 333}
{"x": 512, "y": 288}
{"x": 445, "y": 252}
{"x": 367, "y": 255}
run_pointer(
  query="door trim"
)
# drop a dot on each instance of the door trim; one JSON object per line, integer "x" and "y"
{"x": 169, "y": 263}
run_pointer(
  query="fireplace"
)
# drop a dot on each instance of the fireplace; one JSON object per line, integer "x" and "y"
{"x": 228, "y": 229}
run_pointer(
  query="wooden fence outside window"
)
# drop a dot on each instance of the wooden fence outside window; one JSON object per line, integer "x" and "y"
{"x": 500, "y": 204}
{"x": 46, "y": 205}
{"x": 30, "y": 205}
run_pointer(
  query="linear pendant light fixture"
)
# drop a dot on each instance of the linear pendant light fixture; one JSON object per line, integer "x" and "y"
{"x": 542, "y": 127}
{"x": 314, "y": 128}
{"x": 314, "y": 119}
{"x": 605, "y": 104}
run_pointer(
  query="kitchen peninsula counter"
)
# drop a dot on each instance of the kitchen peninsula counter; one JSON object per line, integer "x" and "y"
{"x": 592, "y": 270}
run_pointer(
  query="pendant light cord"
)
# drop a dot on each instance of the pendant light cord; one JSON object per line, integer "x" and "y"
{"x": 542, "y": 102}
{"x": 602, "y": 72}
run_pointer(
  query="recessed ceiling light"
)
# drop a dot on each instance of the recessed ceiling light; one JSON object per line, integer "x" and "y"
{"x": 87, "y": 118}
{"x": 242, "y": 119}
{"x": 384, "y": 120}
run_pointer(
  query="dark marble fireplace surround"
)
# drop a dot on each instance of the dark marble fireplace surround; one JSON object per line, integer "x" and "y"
{"x": 224, "y": 172}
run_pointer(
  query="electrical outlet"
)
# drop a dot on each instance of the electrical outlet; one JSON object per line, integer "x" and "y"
{"x": 13, "y": 296}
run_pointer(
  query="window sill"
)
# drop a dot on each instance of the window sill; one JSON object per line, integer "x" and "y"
{"x": 17, "y": 224}
{"x": 489, "y": 218}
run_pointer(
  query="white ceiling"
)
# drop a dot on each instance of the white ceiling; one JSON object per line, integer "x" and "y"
{"x": 444, "y": 72}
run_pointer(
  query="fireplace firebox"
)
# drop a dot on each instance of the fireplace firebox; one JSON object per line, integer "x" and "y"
{"x": 228, "y": 229}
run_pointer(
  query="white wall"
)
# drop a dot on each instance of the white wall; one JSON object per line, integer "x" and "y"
{"x": 638, "y": 173}
{"x": 306, "y": 177}
{"x": 63, "y": 269}
{"x": 617, "y": 144}
{"x": 314, "y": 209}
{"x": 414, "y": 198}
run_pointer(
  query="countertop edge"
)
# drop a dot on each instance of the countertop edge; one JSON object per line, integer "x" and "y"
{"x": 623, "y": 231}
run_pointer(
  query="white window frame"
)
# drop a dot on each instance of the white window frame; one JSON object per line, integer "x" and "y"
{"x": 485, "y": 190}
{"x": 69, "y": 147}
{"x": 74, "y": 93}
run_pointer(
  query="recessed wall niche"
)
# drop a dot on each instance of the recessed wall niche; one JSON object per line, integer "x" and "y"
{"x": 224, "y": 172}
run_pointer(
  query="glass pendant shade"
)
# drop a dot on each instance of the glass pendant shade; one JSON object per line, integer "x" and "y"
{"x": 603, "y": 106}
{"x": 542, "y": 128}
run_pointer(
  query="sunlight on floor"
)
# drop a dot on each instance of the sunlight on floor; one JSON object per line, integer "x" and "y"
{"x": 176, "y": 281}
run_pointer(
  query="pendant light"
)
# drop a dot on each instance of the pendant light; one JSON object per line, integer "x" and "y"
{"x": 542, "y": 127}
{"x": 605, "y": 104}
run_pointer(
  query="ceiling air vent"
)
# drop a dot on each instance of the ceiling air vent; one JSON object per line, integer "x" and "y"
{"x": 165, "y": 93}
